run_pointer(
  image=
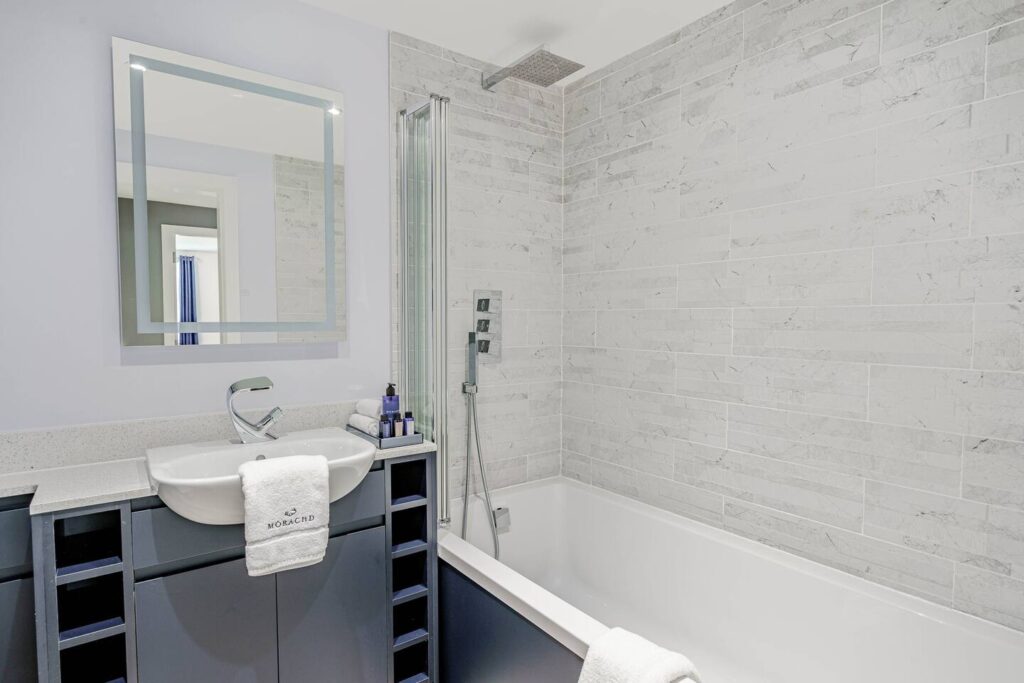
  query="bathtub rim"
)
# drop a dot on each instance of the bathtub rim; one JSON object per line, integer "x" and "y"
{"x": 577, "y": 633}
{"x": 570, "y": 626}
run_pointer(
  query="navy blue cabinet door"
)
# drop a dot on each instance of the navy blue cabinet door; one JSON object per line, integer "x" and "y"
{"x": 207, "y": 625}
{"x": 332, "y": 616}
{"x": 17, "y": 632}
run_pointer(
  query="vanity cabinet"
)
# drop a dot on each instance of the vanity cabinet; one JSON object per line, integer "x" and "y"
{"x": 320, "y": 623}
{"x": 331, "y": 618}
{"x": 17, "y": 615}
{"x": 162, "y": 599}
{"x": 216, "y": 623}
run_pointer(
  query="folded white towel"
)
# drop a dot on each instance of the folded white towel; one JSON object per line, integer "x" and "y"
{"x": 287, "y": 509}
{"x": 619, "y": 656}
{"x": 367, "y": 425}
{"x": 370, "y": 407}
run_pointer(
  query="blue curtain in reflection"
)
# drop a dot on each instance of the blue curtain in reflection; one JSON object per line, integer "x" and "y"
{"x": 187, "y": 298}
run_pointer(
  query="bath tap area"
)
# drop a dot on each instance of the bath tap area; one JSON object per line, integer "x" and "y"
{"x": 475, "y": 342}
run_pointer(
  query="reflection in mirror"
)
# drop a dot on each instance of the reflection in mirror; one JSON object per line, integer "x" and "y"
{"x": 223, "y": 199}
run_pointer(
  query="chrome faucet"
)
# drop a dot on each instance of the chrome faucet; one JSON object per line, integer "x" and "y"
{"x": 247, "y": 431}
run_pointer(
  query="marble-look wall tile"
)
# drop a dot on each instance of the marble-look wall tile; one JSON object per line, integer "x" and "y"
{"x": 579, "y": 328}
{"x": 964, "y": 401}
{"x": 840, "y": 165}
{"x": 495, "y": 211}
{"x": 821, "y": 387}
{"x": 1006, "y": 59}
{"x": 990, "y": 596}
{"x": 845, "y": 48}
{"x": 998, "y": 204}
{"x": 684, "y": 62}
{"x": 689, "y": 330}
{"x": 902, "y": 335}
{"x": 994, "y": 472}
{"x": 948, "y": 76}
{"x": 932, "y": 209}
{"x": 824, "y": 278}
{"x": 647, "y": 288}
{"x": 695, "y": 147}
{"x": 626, "y": 368}
{"x": 496, "y": 134}
{"x": 967, "y": 532}
{"x": 582, "y": 105}
{"x": 619, "y": 445}
{"x": 914, "y": 457}
{"x": 891, "y": 565}
{"x": 693, "y": 241}
{"x": 774, "y": 22}
{"x": 987, "y": 133}
{"x": 981, "y": 270}
{"x": 617, "y": 130}
{"x": 629, "y": 208}
{"x": 680, "y": 498}
{"x": 823, "y": 496}
{"x": 999, "y": 337}
{"x": 660, "y": 415}
{"x": 910, "y": 26}
{"x": 841, "y": 273}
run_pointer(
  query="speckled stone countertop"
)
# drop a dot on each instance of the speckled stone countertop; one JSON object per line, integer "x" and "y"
{"x": 63, "y": 488}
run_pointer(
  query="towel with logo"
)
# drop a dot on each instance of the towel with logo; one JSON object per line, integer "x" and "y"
{"x": 287, "y": 509}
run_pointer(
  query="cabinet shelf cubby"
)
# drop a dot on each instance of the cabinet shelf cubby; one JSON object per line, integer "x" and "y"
{"x": 84, "y": 541}
{"x": 408, "y": 482}
{"x": 87, "y": 635}
{"x": 418, "y": 678}
{"x": 411, "y": 664}
{"x": 100, "y": 661}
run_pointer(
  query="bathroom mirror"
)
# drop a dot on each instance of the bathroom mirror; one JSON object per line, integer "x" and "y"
{"x": 230, "y": 203}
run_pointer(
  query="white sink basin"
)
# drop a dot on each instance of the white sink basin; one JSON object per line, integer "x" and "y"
{"x": 200, "y": 481}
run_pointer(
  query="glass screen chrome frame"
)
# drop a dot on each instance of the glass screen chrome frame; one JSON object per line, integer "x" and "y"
{"x": 138, "y": 65}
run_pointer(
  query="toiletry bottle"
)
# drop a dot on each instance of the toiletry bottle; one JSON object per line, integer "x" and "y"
{"x": 410, "y": 426}
{"x": 399, "y": 425}
{"x": 385, "y": 427}
{"x": 389, "y": 402}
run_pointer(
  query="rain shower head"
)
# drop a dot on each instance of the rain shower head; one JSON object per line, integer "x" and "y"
{"x": 539, "y": 67}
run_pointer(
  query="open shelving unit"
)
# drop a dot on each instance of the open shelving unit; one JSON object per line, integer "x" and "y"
{"x": 411, "y": 533}
{"x": 84, "y": 615}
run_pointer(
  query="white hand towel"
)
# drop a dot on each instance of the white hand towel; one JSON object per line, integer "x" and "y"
{"x": 370, "y": 407}
{"x": 619, "y": 656}
{"x": 367, "y": 425}
{"x": 287, "y": 509}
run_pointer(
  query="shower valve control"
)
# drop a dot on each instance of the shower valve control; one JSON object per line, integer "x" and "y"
{"x": 487, "y": 324}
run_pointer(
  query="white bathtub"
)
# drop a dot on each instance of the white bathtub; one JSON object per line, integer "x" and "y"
{"x": 742, "y": 611}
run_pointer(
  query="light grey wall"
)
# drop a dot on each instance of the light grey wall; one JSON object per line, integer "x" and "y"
{"x": 60, "y": 346}
{"x": 793, "y": 265}
{"x": 505, "y": 230}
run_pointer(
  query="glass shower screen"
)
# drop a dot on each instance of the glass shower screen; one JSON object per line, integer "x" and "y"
{"x": 422, "y": 151}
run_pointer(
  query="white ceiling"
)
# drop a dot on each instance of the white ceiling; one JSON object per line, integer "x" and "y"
{"x": 591, "y": 32}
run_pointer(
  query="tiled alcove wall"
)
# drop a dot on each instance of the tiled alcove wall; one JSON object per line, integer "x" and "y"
{"x": 793, "y": 277}
{"x": 792, "y": 268}
{"x": 505, "y": 232}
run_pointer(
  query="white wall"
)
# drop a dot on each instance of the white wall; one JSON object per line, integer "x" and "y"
{"x": 59, "y": 341}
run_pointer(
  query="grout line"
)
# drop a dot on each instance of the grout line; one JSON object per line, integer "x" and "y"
{"x": 984, "y": 80}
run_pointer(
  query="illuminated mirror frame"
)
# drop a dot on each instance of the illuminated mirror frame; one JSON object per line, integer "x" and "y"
{"x": 138, "y": 65}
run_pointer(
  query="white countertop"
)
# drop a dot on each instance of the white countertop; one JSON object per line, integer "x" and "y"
{"x": 64, "y": 488}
